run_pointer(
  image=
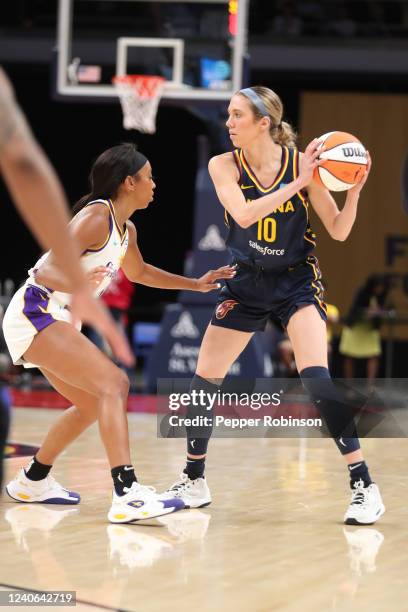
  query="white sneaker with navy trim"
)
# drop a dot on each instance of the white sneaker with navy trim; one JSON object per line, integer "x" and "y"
{"x": 194, "y": 493}
{"x": 366, "y": 505}
{"x": 140, "y": 503}
{"x": 45, "y": 491}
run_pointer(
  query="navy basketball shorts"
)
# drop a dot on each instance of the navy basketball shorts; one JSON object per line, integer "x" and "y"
{"x": 256, "y": 295}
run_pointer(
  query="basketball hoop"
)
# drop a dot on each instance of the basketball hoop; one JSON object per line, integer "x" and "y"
{"x": 139, "y": 95}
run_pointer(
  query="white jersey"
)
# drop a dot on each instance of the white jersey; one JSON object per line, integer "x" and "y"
{"x": 109, "y": 253}
{"x": 34, "y": 307}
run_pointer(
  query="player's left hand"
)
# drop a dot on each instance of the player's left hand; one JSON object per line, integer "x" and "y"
{"x": 358, "y": 186}
{"x": 207, "y": 282}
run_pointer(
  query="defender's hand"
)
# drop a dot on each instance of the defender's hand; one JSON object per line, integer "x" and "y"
{"x": 207, "y": 282}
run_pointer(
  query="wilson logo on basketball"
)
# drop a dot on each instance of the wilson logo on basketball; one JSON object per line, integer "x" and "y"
{"x": 223, "y": 309}
{"x": 353, "y": 152}
{"x": 343, "y": 161}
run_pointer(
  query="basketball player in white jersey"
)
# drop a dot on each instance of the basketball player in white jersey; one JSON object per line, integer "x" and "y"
{"x": 39, "y": 332}
{"x": 38, "y": 195}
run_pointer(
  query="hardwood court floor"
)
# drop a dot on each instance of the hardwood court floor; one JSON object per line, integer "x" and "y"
{"x": 273, "y": 539}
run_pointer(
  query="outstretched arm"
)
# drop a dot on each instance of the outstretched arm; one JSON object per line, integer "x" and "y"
{"x": 338, "y": 223}
{"x": 138, "y": 271}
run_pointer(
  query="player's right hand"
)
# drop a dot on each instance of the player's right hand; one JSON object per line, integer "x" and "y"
{"x": 207, "y": 282}
{"x": 84, "y": 307}
{"x": 309, "y": 160}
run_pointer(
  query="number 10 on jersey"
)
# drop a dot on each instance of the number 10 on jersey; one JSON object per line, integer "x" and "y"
{"x": 267, "y": 229}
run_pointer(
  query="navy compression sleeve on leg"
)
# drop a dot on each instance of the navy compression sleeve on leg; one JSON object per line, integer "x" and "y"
{"x": 333, "y": 406}
{"x": 198, "y": 437}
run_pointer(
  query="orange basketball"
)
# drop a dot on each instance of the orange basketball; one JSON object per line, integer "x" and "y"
{"x": 345, "y": 161}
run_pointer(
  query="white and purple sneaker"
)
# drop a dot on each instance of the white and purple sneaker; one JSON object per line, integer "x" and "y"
{"x": 45, "y": 491}
{"x": 141, "y": 503}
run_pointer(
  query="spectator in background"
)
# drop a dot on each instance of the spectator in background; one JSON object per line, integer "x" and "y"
{"x": 333, "y": 316}
{"x": 287, "y": 21}
{"x": 360, "y": 338}
{"x": 340, "y": 23}
{"x": 313, "y": 17}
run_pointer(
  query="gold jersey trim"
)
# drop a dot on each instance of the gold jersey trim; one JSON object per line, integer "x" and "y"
{"x": 254, "y": 179}
{"x": 317, "y": 286}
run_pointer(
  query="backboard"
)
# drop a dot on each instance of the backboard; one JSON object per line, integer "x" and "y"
{"x": 198, "y": 46}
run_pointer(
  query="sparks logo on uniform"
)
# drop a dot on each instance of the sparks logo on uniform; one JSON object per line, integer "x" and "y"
{"x": 223, "y": 309}
{"x": 212, "y": 241}
{"x": 185, "y": 327}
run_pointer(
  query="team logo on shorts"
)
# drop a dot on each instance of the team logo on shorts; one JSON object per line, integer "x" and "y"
{"x": 223, "y": 309}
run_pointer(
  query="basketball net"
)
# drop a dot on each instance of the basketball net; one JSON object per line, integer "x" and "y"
{"x": 139, "y": 95}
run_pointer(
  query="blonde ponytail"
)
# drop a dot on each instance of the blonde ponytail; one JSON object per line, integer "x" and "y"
{"x": 284, "y": 134}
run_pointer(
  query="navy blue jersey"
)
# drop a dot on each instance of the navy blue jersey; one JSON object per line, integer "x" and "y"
{"x": 282, "y": 238}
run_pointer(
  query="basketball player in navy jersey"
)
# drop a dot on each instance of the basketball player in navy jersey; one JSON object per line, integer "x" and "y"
{"x": 265, "y": 186}
{"x": 38, "y": 195}
{"x": 39, "y": 332}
